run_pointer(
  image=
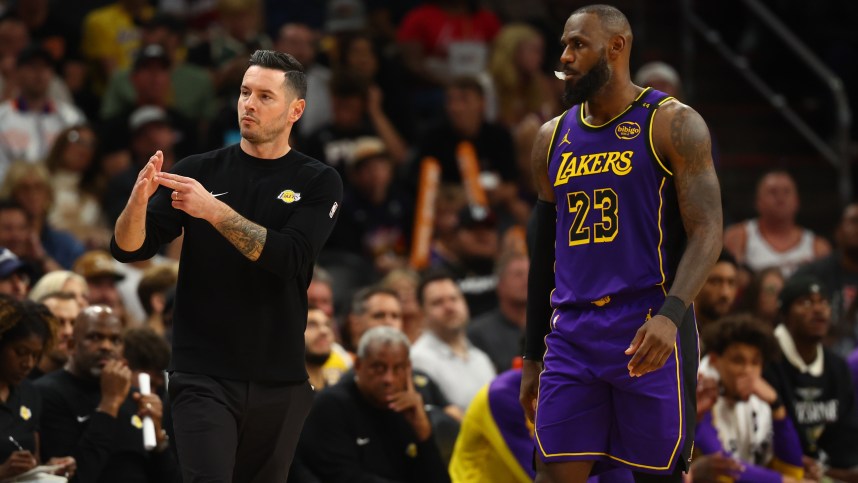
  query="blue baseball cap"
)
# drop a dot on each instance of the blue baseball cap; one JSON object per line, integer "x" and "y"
{"x": 10, "y": 263}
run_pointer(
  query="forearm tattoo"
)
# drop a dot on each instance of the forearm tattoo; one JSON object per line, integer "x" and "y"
{"x": 245, "y": 235}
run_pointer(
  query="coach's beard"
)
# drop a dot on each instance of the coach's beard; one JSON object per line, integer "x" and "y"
{"x": 588, "y": 84}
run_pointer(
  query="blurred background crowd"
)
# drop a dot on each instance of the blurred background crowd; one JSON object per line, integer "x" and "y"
{"x": 428, "y": 109}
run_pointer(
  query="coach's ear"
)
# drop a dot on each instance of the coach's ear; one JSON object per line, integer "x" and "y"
{"x": 296, "y": 110}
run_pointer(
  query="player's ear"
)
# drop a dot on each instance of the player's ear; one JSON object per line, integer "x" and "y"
{"x": 616, "y": 46}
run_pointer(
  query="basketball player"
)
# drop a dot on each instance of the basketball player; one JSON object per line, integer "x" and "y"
{"x": 627, "y": 227}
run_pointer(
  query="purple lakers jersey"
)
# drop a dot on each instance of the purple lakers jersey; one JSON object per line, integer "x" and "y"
{"x": 618, "y": 226}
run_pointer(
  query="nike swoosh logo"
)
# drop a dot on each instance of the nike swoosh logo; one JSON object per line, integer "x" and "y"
{"x": 362, "y": 441}
{"x": 82, "y": 419}
{"x": 219, "y": 194}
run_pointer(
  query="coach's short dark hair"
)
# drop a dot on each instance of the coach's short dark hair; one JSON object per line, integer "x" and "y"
{"x": 295, "y": 78}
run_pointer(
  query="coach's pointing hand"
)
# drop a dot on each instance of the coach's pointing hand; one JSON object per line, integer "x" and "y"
{"x": 189, "y": 196}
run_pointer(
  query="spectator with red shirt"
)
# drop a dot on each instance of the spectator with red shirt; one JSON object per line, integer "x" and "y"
{"x": 442, "y": 39}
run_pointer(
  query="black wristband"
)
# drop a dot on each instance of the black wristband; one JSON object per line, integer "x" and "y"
{"x": 674, "y": 309}
{"x": 541, "y": 231}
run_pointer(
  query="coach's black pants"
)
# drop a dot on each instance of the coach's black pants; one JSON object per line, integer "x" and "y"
{"x": 236, "y": 431}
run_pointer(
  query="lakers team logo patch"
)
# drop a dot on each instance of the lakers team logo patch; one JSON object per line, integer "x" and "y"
{"x": 420, "y": 381}
{"x": 25, "y": 413}
{"x": 627, "y": 130}
{"x": 289, "y": 196}
{"x": 411, "y": 450}
{"x": 136, "y": 422}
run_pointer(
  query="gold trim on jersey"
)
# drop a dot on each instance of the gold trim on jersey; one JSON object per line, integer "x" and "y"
{"x": 553, "y": 137}
{"x": 649, "y": 134}
{"x": 661, "y": 236}
{"x": 581, "y": 111}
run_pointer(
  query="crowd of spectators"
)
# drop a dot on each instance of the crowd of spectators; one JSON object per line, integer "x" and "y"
{"x": 415, "y": 320}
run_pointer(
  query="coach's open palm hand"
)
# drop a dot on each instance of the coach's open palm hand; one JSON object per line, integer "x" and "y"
{"x": 652, "y": 345}
{"x": 146, "y": 184}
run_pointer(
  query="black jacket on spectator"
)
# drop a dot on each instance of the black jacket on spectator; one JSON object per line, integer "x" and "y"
{"x": 494, "y": 146}
{"x": 498, "y": 337}
{"x": 825, "y": 403}
{"x": 19, "y": 418}
{"x": 106, "y": 449}
{"x": 347, "y": 439}
{"x": 843, "y": 285}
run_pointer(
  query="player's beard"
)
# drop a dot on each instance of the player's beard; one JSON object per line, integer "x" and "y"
{"x": 316, "y": 360}
{"x": 588, "y": 84}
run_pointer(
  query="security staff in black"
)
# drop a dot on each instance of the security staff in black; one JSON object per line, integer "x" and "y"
{"x": 254, "y": 217}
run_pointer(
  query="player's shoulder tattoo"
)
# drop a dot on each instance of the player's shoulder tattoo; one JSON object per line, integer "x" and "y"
{"x": 689, "y": 136}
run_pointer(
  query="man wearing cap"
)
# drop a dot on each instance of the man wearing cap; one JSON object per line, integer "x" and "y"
{"x": 376, "y": 213}
{"x": 150, "y": 129}
{"x": 193, "y": 92}
{"x": 30, "y": 122}
{"x": 14, "y": 275}
{"x": 839, "y": 273}
{"x": 471, "y": 258}
{"x": 153, "y": 88}
{"x": 813, "y": 381}
{"x": 102, "y": 276}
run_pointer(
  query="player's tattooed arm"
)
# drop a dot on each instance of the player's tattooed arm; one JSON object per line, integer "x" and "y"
{"x": 682, "y": 139}
{"x": 685, "y": 142}
{"x": 539, "y": 161}
{"x": 248, "y": 237}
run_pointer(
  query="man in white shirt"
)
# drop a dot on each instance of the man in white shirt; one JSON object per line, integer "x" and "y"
{"x": 444, "y": 351}
{"x": 30, "y": 122}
